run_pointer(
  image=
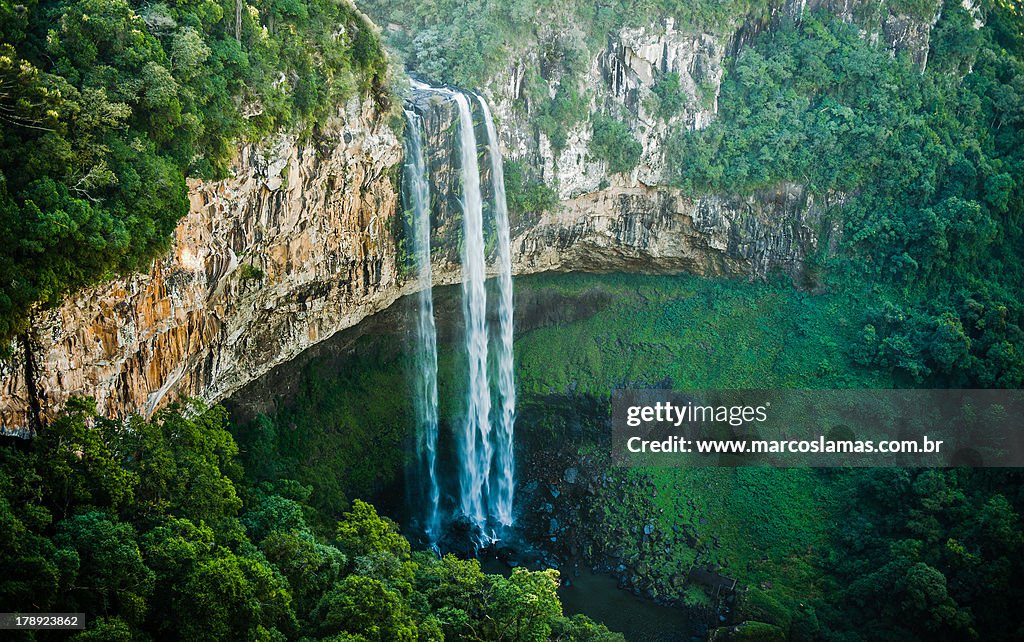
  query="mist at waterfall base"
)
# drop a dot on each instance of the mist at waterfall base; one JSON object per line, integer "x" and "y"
{"x": 461, "y": 483}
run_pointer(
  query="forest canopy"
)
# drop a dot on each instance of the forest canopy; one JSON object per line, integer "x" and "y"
{"x": 150, "y": 528}
{"x": 107, "y": 105}
{"x": 928, "y": 164}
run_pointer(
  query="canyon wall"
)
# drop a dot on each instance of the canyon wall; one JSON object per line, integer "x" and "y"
{"x": 296, "y": 245}
{"x": 306, "y": 239}
{"x": 620, "y": 81}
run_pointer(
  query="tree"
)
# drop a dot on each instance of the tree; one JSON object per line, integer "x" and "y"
{"x": 612, "y": 141}
{"x": 107, "y": 107}
{"x": 669, "y": 94}
{"x": 111, "y": 577}
{"x": 362, "y": 531}
{"x": 926, "y": 600}
{"x": 365, "y": 607}
{"x": 310, "y": 567}
{"x": 231, "y": 597}
{"x": 185, "y": 460}
{"x": 523, "y": 606}
{"x": 80, "y": 468}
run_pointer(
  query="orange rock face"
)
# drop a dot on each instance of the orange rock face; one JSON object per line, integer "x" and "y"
{"x": 301, "y": 243}
{"x": 297, "y": 245}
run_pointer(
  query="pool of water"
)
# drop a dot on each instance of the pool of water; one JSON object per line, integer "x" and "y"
{"x": 599, "y": 598}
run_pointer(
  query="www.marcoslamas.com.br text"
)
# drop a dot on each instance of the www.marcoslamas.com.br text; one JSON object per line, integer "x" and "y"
{"x": 782, "y": 446}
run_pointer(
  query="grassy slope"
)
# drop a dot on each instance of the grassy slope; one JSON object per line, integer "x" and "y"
{"x": 691, "y": 332}
{"x": 770, "y": 524}
{"x": 696, "y": 333}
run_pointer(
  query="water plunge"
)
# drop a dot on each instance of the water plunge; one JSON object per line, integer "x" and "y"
{"x": 426, "y": 330}
{"x": 505, "y": 431}
{"x": 475, "y": 445}
{"x": 485, "y": 466}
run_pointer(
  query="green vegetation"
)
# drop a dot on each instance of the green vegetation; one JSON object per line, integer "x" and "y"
{"x": 157, "y": 532}
{"x": 800, "y": 542}
{"x": 822, "y": 554}
{"x": 556, "y": 116}
{"x": 106, "y": 106}
{"x": 684, "y": 332}
{"x": 614, "y": 143}
{"x": 669, "y": 95}
{"x": 465, "y": 43}
{"x": 690, "y": 332}
{"x": 932, "y": 166}
{"x": 149, "y": 530}
{"x": 526, "y": 196}
{"x": 343, "y": 433}
{"x": 938, "y": 554}
{"x": 250, "y": 272}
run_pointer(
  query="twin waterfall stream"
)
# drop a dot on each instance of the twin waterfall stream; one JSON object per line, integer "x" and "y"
{"x": 483, "y": 437}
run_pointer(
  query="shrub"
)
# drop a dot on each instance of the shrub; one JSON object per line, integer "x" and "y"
{"x": 614, "y": 143}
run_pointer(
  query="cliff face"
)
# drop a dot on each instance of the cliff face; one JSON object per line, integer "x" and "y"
{"x": 636, "y": 221}
{"x": 658, "y": 230}
{"x": 305, "y": 239}
{"x": 621, "y": 79}
{"x": 296, "y": 246}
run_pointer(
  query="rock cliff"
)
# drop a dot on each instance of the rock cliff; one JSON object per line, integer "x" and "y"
{"x": 305, "y": 239}
{"x": 297, "y": 245}
{"x": 620, "y": 80}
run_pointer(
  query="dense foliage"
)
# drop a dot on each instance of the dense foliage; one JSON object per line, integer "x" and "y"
{"x": 927, "y": 163}
{"x": 821, "y": 554}
{"x": 668, "y": 95}
{"x": 526, "y": 195}
{"x": 466, "y": 43}
{"x": 352, "y": 439}
{"x": 106, "y": 106}
{"x": 930, "y": 164}
{"x": 155, "y": 529}
{"x": 938, "y": 554}
{"x": 613, "y": 143}
{"x": 146, "y": 527}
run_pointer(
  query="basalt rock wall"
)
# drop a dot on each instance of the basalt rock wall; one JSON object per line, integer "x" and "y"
{"x": 306, "y": 238}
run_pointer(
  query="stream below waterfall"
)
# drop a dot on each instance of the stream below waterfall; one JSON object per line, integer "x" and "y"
{"x": 599, "y": 597}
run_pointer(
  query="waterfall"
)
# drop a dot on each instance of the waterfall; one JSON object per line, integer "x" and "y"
{"x": 484, "y": 463}
{"x": 476, "y": 446}
{"x": 426, "y": 331}
{"x": 505, "y": 430}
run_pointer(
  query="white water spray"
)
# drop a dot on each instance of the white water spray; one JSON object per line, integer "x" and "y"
{"x": 476, "y": 446}
{"x": 485, "y": 464}
{"x": 504, "y": 485}
{"x": 426, "y": 331}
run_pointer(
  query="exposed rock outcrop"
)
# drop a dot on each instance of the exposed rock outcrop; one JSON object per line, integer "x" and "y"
{"x": 648, "y": 230}
{"x": 306, "y": 238}
{"x": 321, "y": 256}
{"x": 299, "y": 244}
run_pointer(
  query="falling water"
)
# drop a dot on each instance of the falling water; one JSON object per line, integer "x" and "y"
{"x": 485, "y": 464}
{"x": 426, "y": 332}
{"x": 476, "y": 447}
{"x": 505, "y": 429}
